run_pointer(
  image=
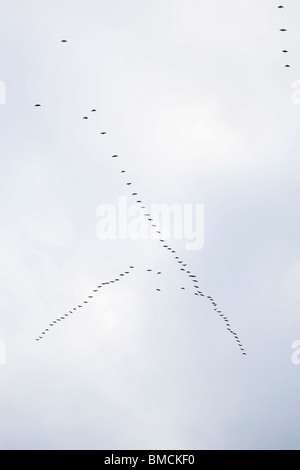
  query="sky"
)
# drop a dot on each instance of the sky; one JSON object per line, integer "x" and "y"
{"x": 197, "y": 103}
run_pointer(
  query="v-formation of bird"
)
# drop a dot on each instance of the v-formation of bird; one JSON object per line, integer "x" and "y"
{"x": 181, "y": 265}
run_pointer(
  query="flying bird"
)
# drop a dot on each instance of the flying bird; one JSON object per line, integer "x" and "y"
{"x": 93, "y": 110}
{"x": 37, "y": 105}
{"x": 283, "y": 29}
{"x": 85, "y": 117}
{"x": 63, "y": 40}
{"x": 280, "y": 6}
{"x": 285, "y": 51}
{"x": 287, "y": 66}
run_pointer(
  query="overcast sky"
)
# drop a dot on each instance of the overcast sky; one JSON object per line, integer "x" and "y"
{"x": 197, "y": 103}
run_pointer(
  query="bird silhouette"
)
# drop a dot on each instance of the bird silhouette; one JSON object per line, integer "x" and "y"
{"x": 63, "y": 40}
{"x": 283, "y": 29}
{"x": 37, "y": 105}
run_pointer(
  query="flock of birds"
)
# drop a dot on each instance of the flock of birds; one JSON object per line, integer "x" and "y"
{"x": 284, "y": 30}
{"x": 182, "y": 266}
{"x": 83, "y": 303}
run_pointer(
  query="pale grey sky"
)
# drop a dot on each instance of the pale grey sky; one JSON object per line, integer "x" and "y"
{"x": 197, "y": 102}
